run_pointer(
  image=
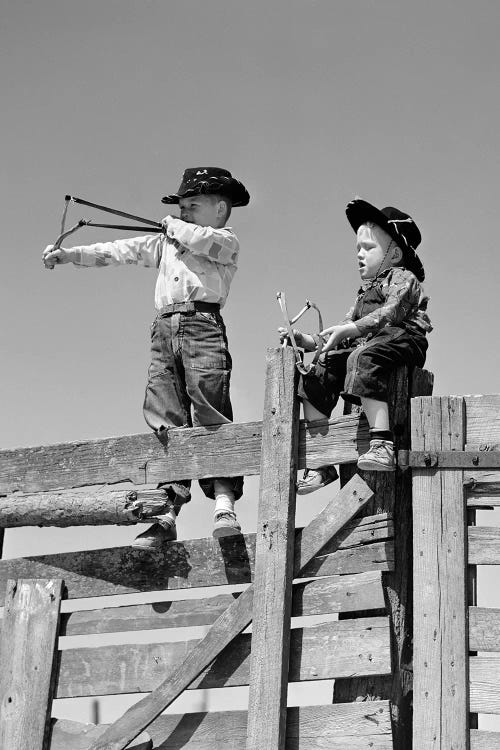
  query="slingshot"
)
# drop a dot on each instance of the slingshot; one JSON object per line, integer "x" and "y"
{"x": 301, "y": 367}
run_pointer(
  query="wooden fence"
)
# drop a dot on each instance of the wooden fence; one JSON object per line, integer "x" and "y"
{"x": 455, "y": 462}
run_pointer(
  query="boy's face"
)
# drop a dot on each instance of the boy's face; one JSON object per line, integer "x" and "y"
{"x": 372, "y": 244}
{"x": 203, "y": 210}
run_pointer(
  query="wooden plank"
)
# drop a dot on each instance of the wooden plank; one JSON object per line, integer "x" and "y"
{"x": 320, "y": 652}
{"x": 485, "y": 684}
{"x": 193, "y": 563}
{"x": 483, "y": 419}
{"x": 220, "y": 450}
{"x": 27, "y": 651}
{"x": 440, "y": 581}
{"x": 337, "y": 513}
{"x": 274, "y": 550}
{"x": 484, "y": 545}
{"x": 484, "y": 629}
{"x": 358, "y": 726}
{"x": 326, "y": 595}
{"x": 481, "y": 740}
{"x": 73, "y": 735}
{"x": 450, "y": 459}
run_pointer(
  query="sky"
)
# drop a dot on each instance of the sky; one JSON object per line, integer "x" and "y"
{"x": 309, "y": 103}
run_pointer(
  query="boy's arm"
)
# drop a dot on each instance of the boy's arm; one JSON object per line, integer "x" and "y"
{"x": 145, "y": 250}
{"x": 403, "y": 293}
{"x": 219, "y": 245}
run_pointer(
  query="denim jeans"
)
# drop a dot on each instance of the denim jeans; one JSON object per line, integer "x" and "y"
{"x": 188, "y": 379}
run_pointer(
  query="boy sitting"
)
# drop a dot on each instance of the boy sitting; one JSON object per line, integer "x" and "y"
{"x": 385, "y": 328}
{"x": 190, "y": 362}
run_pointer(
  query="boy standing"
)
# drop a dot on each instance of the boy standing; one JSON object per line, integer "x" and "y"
{"x": 386, "y": 327}
{"x": 189, "y": 375}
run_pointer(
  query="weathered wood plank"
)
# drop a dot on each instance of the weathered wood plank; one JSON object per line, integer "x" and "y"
{"x": 326, "y": 595}
{"x": 274, "y": 549}
{"x": 196, "y": 562}
{"x": 358, "y": 726}
{"x": 485, "y": 684}
{"x": 482, "y": 488}
{"x": 27, "y": 651}
{"x": 484, "y": 629}
{"x": 72, "y": 735}
{"x": 440, "y": 581}
{"x": 481, "y": 740}
{"x": 484, "y": 545}
{"x": 221, "y": 450}
{"x": 483, "y": 419}
{"x": 324, "y": 651}
{"x": 349, "y": 501}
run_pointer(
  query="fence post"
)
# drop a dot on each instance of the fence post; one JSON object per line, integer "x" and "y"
{"x": 441, "y": 682}
{"x": 274, "y": 553}
{"x": 27, "y": 654}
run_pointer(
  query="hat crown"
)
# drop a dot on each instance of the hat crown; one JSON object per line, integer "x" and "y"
{"x": 206, "y": 180}
{"x": 403, "y": 225}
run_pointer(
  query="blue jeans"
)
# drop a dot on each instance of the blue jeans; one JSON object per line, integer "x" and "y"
{"x": 188, "y": 379}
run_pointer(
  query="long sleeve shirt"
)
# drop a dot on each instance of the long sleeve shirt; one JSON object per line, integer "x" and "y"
{"x": 193, "y": 262}
{"x": 395, "y": 298}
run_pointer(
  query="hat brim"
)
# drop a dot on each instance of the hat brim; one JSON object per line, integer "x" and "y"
{"x": 234, "y": 190}
{"x": 358, "y": 212}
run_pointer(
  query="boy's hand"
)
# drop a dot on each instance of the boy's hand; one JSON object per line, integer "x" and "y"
{"x": 302, "y": 339}
{"x": 338, "y": 333}
{"x": 51, "y": 258}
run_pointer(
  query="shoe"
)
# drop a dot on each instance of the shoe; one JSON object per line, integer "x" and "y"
{"x": 176, "y": 492}
{"x": 380, "y": 457}
{"x": 225, "y": 524}
{"x": 314, "y": 479}
{"x": 155, "y": 537}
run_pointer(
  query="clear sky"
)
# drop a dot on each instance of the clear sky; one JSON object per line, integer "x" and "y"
{"x": 309, "y": 103}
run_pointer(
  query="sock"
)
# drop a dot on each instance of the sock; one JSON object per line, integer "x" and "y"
{"x": 382, "y": 435}
{"x": 224, "y": 497}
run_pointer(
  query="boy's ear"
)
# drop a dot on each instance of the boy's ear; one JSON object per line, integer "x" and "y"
{"x": 397, "y": 255}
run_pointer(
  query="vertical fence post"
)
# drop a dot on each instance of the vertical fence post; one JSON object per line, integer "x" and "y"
{"x": 27, "y": 653}
{"x": 441, "y": 705}
{"x": 274, "y": 556}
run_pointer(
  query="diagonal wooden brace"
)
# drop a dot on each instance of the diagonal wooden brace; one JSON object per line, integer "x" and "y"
{"x": 309, "y": 541}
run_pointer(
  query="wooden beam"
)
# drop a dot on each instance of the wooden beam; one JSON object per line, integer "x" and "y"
{"x": 274, "y": 550}
{"x": 441, "y": 706}
{"x": 484, "y": 629}
{"x": 320, "y": 652}
{"x": 235, "y": 619}
{"x": 483, "y": 420}
{"x": 357, "y": 726}
{"x": 481, "y": 740}
{"x": 73, "y": 735}
{"x": 192, "y": 563}
{"x": 27, "y": 654}
{"x": 484, "y": 684}
{"x": 197, "y": 452}
{"x": 324, "y": 596}
{"x": 484, "y": 545}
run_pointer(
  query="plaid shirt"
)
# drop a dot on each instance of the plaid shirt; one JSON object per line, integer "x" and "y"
{"x": 194, "y": 262}
{"x": 402, "y": 303}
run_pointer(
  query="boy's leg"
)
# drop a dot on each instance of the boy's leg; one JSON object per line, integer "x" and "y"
{"x": 368, "y": 369}
{"x": 207, "y": 367}
{"x": 165, "y": 405}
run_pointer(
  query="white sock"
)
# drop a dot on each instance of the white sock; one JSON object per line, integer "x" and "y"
{"x": 224, "y": 497}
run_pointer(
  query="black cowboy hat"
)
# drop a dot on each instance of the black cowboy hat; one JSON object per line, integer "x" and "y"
{"x": 396, "y": 223}
{"x": 206, "y": 180}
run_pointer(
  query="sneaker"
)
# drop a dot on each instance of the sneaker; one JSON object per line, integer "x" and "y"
{"x": 314, "y": 479}
{"x": 155, "y": 537}
{"x": 380, "y": 457}
{"x": 176, "y": 492}
{"x": 225, "y": 524}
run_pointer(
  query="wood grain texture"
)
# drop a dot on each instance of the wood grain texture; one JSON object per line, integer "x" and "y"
{"x": 484, "y": 545}
{"x": 73, "y": 735}
{"x": 274, "y": 548}
{"x": 347, "y": 593}
{"x": 440, "y": 581}
{"x": 320, "y": 652}
{"x": 483, "y": 420}
{"x": 27, "y": 655}
{"x": 198, "y": 562}
{"x": 484, "y": 629}
{"x": 221, "y": 450}
{"x": 485, "y": 684}
{"x": 358, "y": 726}
{"x": 481, "y": 740}
{"x": 309, "y": 542}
